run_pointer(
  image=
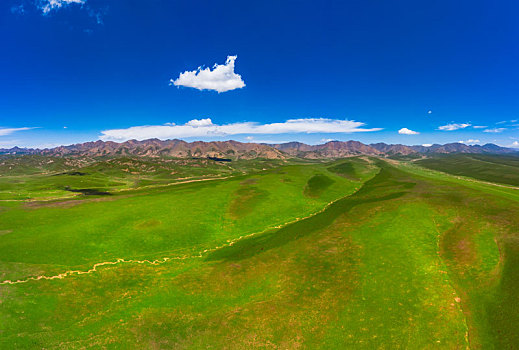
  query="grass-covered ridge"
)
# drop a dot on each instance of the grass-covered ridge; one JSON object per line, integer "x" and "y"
{"x": 393, "y": 257}
{"x": 492, "y": 168}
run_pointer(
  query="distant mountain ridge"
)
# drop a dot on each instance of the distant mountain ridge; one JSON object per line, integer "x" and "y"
{"x": 239, "y": 150}
{"x": 159, "y": 148}
{"x": 332, "y": 149}
{"x": 462, "y": 148}
{"x": 336, "y": 149}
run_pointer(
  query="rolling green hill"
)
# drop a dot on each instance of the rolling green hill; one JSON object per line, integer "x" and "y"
{"x": 493, "y": 168}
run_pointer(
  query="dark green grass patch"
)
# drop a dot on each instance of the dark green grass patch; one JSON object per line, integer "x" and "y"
{"x": 317, "y": 185}
{"x": 89, "y": 191}
{"x": 346, "y": 169}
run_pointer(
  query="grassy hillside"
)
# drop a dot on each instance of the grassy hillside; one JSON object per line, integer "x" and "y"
{"x": 354, "y": 253}
{"x": 493, "y": 168}
{"x": 37, "y": 177}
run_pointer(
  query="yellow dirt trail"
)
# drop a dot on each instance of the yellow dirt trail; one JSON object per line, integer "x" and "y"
{"x": 164, "y": 259}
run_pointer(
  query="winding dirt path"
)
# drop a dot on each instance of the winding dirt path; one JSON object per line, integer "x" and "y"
{"x": 163, "y": 260}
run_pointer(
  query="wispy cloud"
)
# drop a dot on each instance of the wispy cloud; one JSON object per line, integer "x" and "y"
{"x": 268, "y": 142}
{"x": 406, "y": 131}
{"x": 221, "y": 78}
{"x": 251, "y": 139}
{"x": 470, "y": 141}
{"x": 508, "y": 122}
{"x": 453, "y": 126}
{"x": 9, "y": 131}
{"x": 206, "y": 128}
{"x": 47, "y": 6}
{"x": 495, "y": 130}
{"x": 480, "y": 126}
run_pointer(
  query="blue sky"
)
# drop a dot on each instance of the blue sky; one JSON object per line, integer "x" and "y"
{"x": 81, "y": 70}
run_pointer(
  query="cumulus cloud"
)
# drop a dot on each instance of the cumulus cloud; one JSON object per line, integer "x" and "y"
{"x": 469, "y": 141}
{"x": 453, "y": 126}
{"x": 427, "y": 144}
{"x": 9, "y": 131}
{"x": 221, "y": 78}
{"x": 199, "y": 122}
{"x": 47, "y": 6}
{"x": 206, "y": 128}
{"x": 495, "y": 130}
{"x": 406, "y": 131}
{"x": 515, "y": 144}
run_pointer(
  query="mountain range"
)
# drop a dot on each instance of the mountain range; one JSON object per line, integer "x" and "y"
{"x": 239, "y": 150}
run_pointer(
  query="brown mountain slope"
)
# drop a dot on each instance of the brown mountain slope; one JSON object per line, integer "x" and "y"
{"x": 393, "y": 149}
{"x": 171, "y": 148}
{"x": 332, "y": 149}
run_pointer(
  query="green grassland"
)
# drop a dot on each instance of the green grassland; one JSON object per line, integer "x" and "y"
{"x": 354, "y": 253}
{"x": 38, "y": 177}
{"x": 493, "y": 168}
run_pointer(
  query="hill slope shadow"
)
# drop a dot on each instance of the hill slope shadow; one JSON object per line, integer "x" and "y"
{"x": 383, "y": 187}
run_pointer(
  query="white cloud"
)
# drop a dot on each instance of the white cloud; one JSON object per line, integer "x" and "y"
{"x": 206, "y": 128}
{"x": 406, "y": 131}
{"x": 269, "y": 142}
{"x": 427, "y": 144}
{"x": 327, "y": 140}
{"x": 48, "y": 5}
{"x": 429, "y": 112}
{"x": 515, "y": 144}
{"x": 469, "y": 141}
{"x": 9, "y": 131}
{"x": 480, "y": 126}
{"x": 199, "y": 122}
{"x": 221, "y": 78}
{"x": 495, "y": 130}
{"x": 454, "y": 126}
